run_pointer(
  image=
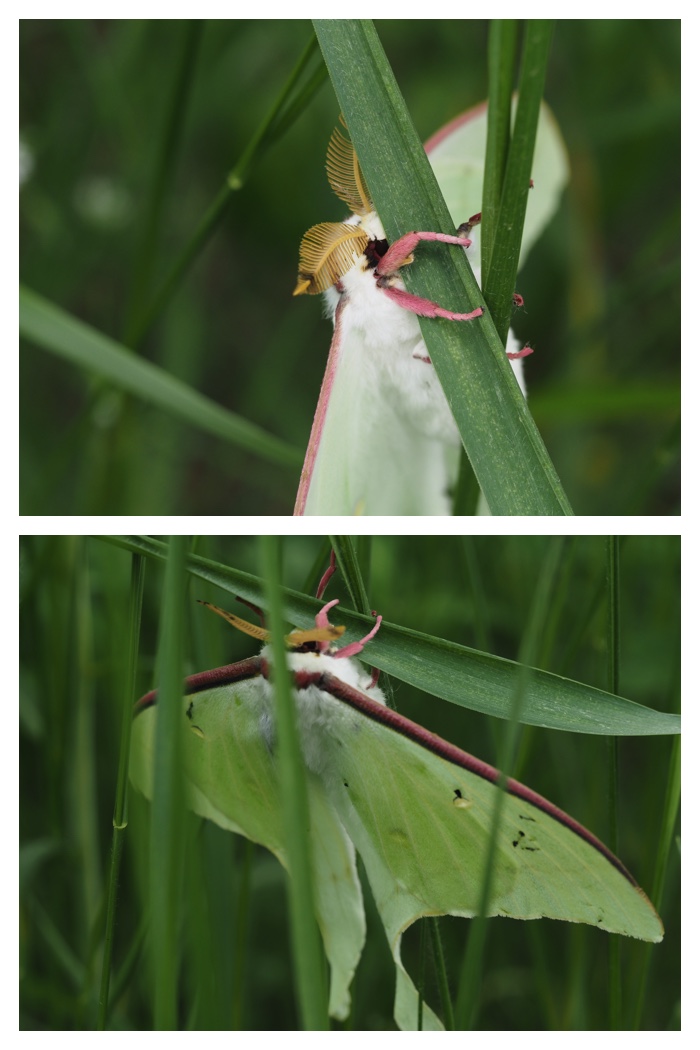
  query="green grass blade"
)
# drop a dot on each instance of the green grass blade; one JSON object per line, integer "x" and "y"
{"x": 463, "y": 676}
{"x": 666, "y": 844}
{"x": 613, "y": 565}
{"x": 168, "y": 810}
{"x": 83, "y": 771}
{"x": 498, "y": 432}
{"x": 119, "y": 819}
{"x": 53, "y": 329}
{"x": 242, "y": 931}
{"x": 441, "y": 972}
{"x": 467, "y": 490}
{"x": 670, "y": 817}
{"x": 503, "y": 35}
{"x": 468, "y": 997}
{"x": 162, "y": 174}
{"x": 499, "y": 281}
{"x": 309, "y": 970}
{"x": 349, "y": 567}
{"x": 284, "y": 111}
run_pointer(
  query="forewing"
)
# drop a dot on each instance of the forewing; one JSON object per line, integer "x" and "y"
{"x": 363, "y": 456}
{"x": 231, "y": 779}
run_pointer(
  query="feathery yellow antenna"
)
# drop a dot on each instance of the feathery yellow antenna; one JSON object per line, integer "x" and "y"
{"x": 330, "y": 249}
{"x": 327, "y": 252}
{"x": 345, "y": 175}
{"x": 314, "y": 634}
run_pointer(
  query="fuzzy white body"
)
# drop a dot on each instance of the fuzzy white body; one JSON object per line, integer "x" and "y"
{"x": 393, "y": 350}
{"x": 318, "y": 712}
{"x": 389, "y": 444}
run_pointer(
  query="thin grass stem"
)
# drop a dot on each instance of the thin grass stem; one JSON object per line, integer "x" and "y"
{"x": 119, "y": 821}
{"x": 613, "y": 594}
{"x": 467, "y": 1007}
{"x": 275, "y": 123}
{"x": 499, "y": 281}
{"x": 503, "y": 36}
{"x": 166, "y": 846}
{"x": 309, "y": 972}
{"x": 162, "y": 174}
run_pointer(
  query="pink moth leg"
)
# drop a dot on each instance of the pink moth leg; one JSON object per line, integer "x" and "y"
{"x": 348, "y": 650}
{"x": 398, "y": 255}
{"x": 322, "y": 621}
{"x": 525, "y": 352}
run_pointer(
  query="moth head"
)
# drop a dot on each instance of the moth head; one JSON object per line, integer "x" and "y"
{"x": 316, "y": 639}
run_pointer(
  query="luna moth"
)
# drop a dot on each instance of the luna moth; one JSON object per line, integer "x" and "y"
{"x": 416, "y": 808}
{"x": 383, "y": 439}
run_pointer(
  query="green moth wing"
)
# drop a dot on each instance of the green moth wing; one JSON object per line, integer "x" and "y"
{"x": 457, "y": 156}
{"x": 418, "y": 810}
{"x": 346, "y": 475}
{"x": 231, "y": 779}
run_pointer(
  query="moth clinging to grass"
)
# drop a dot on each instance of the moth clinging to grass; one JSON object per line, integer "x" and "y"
{"x": 418, "y": 809}
{"x": 383, "y": 439}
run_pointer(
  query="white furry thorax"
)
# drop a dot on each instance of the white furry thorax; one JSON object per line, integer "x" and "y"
{"x": 390, "y": 348}
{"x": 317, "y": 710}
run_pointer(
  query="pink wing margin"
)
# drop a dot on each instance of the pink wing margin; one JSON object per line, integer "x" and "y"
{"x": 368, "y": 707}
{"x": 447, "y": 130}
{"x": 400, "y": 724}
{"x": 321, "y": 410}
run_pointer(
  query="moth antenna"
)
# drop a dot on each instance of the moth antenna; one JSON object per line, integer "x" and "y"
{"x": 323, "y": 633}
{"x": 241, "y": 625}
{"x": 345, "y": 174}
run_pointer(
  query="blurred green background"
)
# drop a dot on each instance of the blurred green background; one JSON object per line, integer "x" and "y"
{"x": 601, "y": 288}
{"x": 233, "y": 950}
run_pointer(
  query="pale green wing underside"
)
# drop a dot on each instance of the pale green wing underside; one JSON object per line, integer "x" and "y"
{"x": 458, "y": 162}
{"x": 231, "y": 780}
{"x": 420, "y": 822}
{"x": 368, "y": 458}
{"x": 424, "y": 845}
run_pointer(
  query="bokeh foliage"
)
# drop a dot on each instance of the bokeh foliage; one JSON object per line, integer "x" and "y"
{"x": 601, "y": 289}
